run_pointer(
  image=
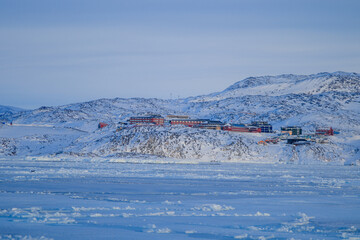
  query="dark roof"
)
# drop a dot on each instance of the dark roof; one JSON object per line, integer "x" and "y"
{"x": 192, "y": 120}
{"x": 214, "y": 122}
{"x": 150, "y": 116}
{"x": 260, "y": 123}
{"x": 238, "y": 125}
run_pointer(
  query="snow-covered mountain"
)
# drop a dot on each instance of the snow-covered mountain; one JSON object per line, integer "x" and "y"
{"x": 9, "y": 110}
{"x": 318, "y": 100}
{"x": 324, "y": 99}
{"x": 289, "y": 84}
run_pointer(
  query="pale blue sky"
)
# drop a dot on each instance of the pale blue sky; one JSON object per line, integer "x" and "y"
{"x": 63, "y": 51}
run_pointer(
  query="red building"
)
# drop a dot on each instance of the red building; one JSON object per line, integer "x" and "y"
{"x": 242, "y": 128}
{"x": 327, "y": 132}
{"x": 154, "y": 119}
{"x": 101, "y": 125}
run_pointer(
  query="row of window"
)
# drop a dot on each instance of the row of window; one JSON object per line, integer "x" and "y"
{"x": 194, "y": 121}
{"x": 146, "y": 118}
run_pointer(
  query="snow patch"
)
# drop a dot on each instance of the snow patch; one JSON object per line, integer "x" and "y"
{"x": 213, "y": 207}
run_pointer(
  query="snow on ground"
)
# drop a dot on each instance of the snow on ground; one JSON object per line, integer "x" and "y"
{"x": 35, "y": 140}
{"x": 22, "y": 130}
{"x": 107, "y": 200}
{"x": 61, "y": 177}
{"x": 167, "y": 144}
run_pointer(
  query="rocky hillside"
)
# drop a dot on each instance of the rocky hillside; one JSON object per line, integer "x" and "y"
{"x": 318, "y": 100}
{"x": 174, "y": 142}
{"x": 289, "y": 84}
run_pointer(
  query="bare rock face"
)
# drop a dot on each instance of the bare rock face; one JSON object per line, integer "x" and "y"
{"x": 7, "y": 147}
{"x": 173, "y": 142}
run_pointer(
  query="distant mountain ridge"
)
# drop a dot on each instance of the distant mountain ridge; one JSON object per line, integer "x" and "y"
{"x": 336, "y": 77}
{"x": 9, "y": 109}
{"x": 289, "y": 84}
{"x": 274, "y": 98}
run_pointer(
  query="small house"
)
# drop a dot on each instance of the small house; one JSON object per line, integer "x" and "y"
{"x": 102, "y": 125}
{"x": 325, "y": 132}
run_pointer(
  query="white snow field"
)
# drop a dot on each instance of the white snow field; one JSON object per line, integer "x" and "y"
{"x": 107, "y": 200}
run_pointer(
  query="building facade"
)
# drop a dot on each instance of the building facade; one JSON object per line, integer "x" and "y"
{"x": 326, "y": 132}
{"x": 153, "y": 119}
{"x": 102, "y": 125}
{"x": 291, "y": 130}
{"x": 265, "y": 126}
{"x": 242, "y": 128}
{"x": 188, "y": 122}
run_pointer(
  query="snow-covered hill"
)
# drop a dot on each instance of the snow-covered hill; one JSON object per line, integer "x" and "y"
{"x": 6, "y": 112}
{"x": 318, "y": 100}
{"x": 5, "y": 109}
{"x": 289, "y": 84}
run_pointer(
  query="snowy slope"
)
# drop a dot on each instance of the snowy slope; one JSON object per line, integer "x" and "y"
{"x": 34, "y": 140}
{"x": 175, "y": 142}
{"x": 7, "y": 112}
{"x": 311, "y": 101}
{"x": 289, "y": 84}
{"x": 4, "y": 109}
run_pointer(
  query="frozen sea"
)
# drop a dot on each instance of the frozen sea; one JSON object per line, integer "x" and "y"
{"x": 104, "y": 200}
